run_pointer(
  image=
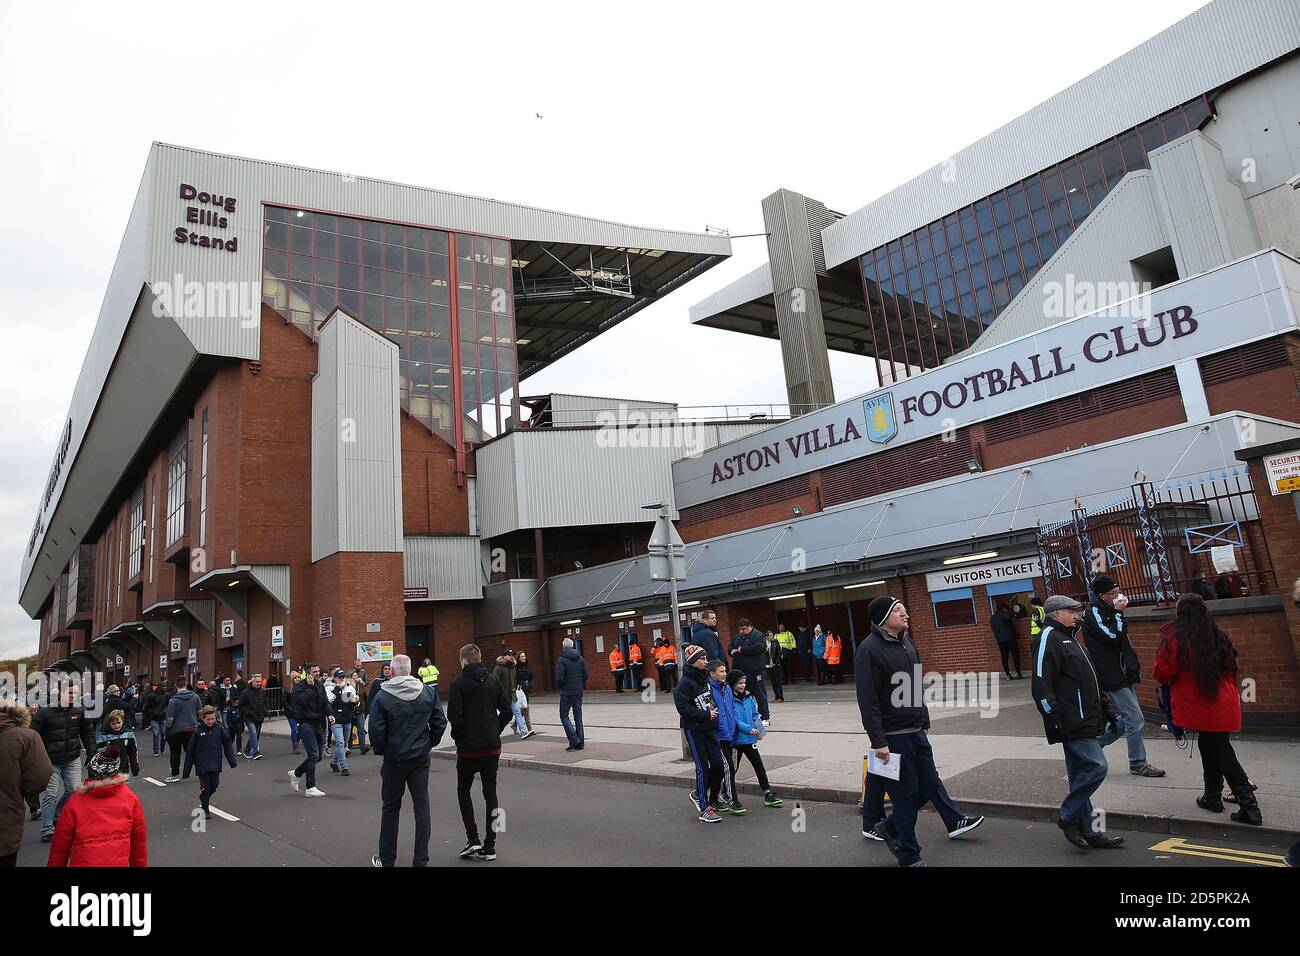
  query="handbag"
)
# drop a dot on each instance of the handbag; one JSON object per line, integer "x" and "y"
{"x": 521, "y": 697}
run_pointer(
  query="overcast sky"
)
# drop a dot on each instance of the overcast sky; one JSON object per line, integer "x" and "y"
{"x": 675, "y": 115}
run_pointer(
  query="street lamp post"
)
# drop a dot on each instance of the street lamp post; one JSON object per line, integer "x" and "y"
{"x": 667, "y": 554}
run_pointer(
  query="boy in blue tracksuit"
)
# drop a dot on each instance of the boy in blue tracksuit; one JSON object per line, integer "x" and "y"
{"x": 208, "y": 744}
{"x": 744, "y": 741}
{"x": 699, "y": 715}
{"x": 726, "y": 704}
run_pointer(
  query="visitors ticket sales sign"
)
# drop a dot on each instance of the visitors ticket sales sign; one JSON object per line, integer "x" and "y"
{"x": 964, "y": 577}
{"x": 1229, "y": 306}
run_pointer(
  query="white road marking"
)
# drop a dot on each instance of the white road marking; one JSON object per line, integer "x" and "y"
{"x": 223, "y": 814}
{"x": 156, "y": 783}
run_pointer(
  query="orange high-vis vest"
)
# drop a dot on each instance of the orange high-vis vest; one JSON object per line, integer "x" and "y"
{"x": 634, "y": 652}
{"x": 616, "y": 660}
{"x": 832, "y": 649}
{"x": 667, "y": 654}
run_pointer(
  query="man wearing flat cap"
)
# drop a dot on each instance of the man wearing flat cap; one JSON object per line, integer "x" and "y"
{"x": 1076, "y": 714}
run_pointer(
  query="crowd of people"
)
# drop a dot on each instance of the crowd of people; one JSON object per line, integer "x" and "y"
{"x": 1084, "y": 671}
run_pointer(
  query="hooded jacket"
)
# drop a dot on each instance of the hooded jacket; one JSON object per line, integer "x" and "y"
{"x": 706, "y": 637}
{"x": 155, "y": 705}
{"x": 879, "y": 658}
{"x": 693, "y": 697}
{"x": 747, "y": 720}
{"x": 182, "y": 711}
{"x": 206, "y": 748}
{"x": 505, "y": 673}
{"x": 406, "y": 718}
{"x": 725, "y": 701}
{"x": 1106, "y": 634}
{"x": 25, "y": 769}
{"x": 478, "y": 709}
{"x": 570, "y": 673}
{"x": 123, "y": 740}
{"x": 65, "y": 731}
{"x": 1065, "y": 686}
{"x": 102, "y": 824}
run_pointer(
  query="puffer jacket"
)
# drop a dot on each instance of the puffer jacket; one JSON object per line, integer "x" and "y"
{"x": 406, "y": 719}
{"x": 747, "y": 721}
{"x": 706, "y": 637}
{"x": 65, "y": 731}
{"x": 694, "y": 701}
{"x": 570, "y": 673}
{"x": 25, "y": 769}
{"x": 252, "y": 704}
{"x": 102, "y": 824}
{"x": 725, "y": 701}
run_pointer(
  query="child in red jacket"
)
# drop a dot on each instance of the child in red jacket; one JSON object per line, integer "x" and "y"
{"x": 1198, "y": 662}
{"x": 103, "y": 822}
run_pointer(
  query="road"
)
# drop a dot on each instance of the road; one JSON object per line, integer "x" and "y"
{"x": 560, "y": 820}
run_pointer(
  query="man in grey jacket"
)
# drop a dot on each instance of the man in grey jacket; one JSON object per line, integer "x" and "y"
{"x": 406, "y": 722}
{"x": 182, "y": 718}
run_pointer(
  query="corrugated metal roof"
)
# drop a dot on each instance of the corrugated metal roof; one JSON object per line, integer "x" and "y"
{"x": 1210, "y": 47}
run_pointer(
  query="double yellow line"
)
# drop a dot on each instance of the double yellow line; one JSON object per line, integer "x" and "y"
{"x": 1178, "y": 845}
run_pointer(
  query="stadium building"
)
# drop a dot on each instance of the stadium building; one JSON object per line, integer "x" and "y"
{"x": 1085, "y": 326}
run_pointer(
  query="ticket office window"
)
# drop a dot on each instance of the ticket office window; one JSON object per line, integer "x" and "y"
{"x": 954, "y": 608}
{"x": 1014, "y": 594}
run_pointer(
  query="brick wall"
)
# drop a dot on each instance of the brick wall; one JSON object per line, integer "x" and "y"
{"x": 431, "y": 501}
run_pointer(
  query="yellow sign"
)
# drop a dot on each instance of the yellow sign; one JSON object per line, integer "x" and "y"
{"x": 1288, "y": 484}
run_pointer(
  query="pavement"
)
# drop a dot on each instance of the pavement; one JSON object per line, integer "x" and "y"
{"x": 556, "y": 819}
{"x": 994, "y": 760}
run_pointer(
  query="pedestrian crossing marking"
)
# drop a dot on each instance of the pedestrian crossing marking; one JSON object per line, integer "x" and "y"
{"x": 156, "y": 783}
{"x": 224, "y": 815}
{"x": 1178, "y": 845}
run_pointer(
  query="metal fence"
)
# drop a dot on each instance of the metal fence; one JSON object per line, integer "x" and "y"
{"x": 1160, "y": 539}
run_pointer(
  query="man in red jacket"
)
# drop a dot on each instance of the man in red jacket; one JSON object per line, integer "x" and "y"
{"x": 103, "y": 822}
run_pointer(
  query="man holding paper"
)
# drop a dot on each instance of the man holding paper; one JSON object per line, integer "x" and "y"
{"x": 887, "y": 669}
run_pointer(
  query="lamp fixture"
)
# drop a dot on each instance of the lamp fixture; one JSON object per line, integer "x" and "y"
{"x": 623, "y": 614}
{"x": 785, "y": 597}
{"x": 971, "y": 557}
{"x": 864, "y": 584}
{"x": 574, "y": 621}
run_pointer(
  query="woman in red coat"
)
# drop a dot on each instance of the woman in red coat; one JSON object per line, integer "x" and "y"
{"x": 103, "y": 822}
{"x": 1198, "y": 661}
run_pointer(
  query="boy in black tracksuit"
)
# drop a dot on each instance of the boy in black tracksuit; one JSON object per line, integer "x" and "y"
{"x": 208, "y": 744}
{"x": 699, "y": 719}
{"x": 478, "y": 709}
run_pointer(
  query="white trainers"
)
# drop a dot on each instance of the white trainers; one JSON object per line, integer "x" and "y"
{"x": 293, "y": 781}
{"x": 171, "y": 778}
{"x": 315, "y": 792}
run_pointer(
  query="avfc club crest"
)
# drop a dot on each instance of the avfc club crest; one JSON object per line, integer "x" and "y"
{"x": 882, "y": 425}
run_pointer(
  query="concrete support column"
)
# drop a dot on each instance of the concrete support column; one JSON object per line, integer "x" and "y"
{"x": 793, "y": 256}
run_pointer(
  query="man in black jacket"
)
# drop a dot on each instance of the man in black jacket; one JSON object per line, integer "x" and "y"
{"x": 571, "y": 681}
{"x": 312, "y": 708}
{"x": 66, "y": 731}
{"x": 887, "y": 671}
{"x": 1106, "y": 634}
{"x": 252, "y": 708}
{"x": 1076, "y": 713}
{"x": 1008, "y": 638}
{"x": 749, "y": 656}
{"x": 478, "y": 709}
{"x": 406, "y": 722}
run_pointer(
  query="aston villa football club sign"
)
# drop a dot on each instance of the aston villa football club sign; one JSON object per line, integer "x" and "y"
{"x": 882, "y": 426}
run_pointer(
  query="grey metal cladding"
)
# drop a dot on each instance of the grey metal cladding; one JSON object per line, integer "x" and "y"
{"x": 274, "y": 580}
{"x": 753, "y": 285}
{"x": 450, "y": 566}
{"x": 1210, "y": 47}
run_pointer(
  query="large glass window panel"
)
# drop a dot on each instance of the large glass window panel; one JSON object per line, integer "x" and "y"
{"x": 1131, "y": 151}
{"x": 1174, "y": 124}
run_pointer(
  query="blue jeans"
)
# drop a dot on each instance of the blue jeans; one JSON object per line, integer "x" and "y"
{"x": 873, "y": 807}
{"x": 572, "y": 703}
{"x": 159, "y": 736}
{"x": 293, "y": 731}
{"x": 342, "y": 737}
{"x": 252, "y": 738}
{"x": 1132, "y": 722}
{"x": 311, "y": 740}
{"x": 361, "y": 731}
{"x": 66, "y": 776}
{"x": 1085, "y": 765}
{"x": 520, "y": 727}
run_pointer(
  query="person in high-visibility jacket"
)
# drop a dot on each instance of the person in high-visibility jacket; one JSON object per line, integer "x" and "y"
{"x": 617, "y": 666}
{"x": 666, "y": 664}
{"x": 634, "y": 661}
{"x": 788, "y": 644}
{"x": 834, "y": 647}
{"x": 428, "y": 673}
{"x": 1037, "y": 616}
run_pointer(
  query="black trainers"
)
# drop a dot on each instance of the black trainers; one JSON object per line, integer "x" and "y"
{"x": 884, "y": 836}
{"x": 964, "y": 825}
{"x": 485, "y": 854}
{"x": 1146, "y": 770}
{"x": 375, "y": 861}
{"x": 472, "y": 847}
{"x": 770, "y": 799}
{"x": 346, "y": 772}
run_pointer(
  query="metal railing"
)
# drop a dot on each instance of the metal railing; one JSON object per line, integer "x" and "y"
{"x": 1164, "y": 539}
